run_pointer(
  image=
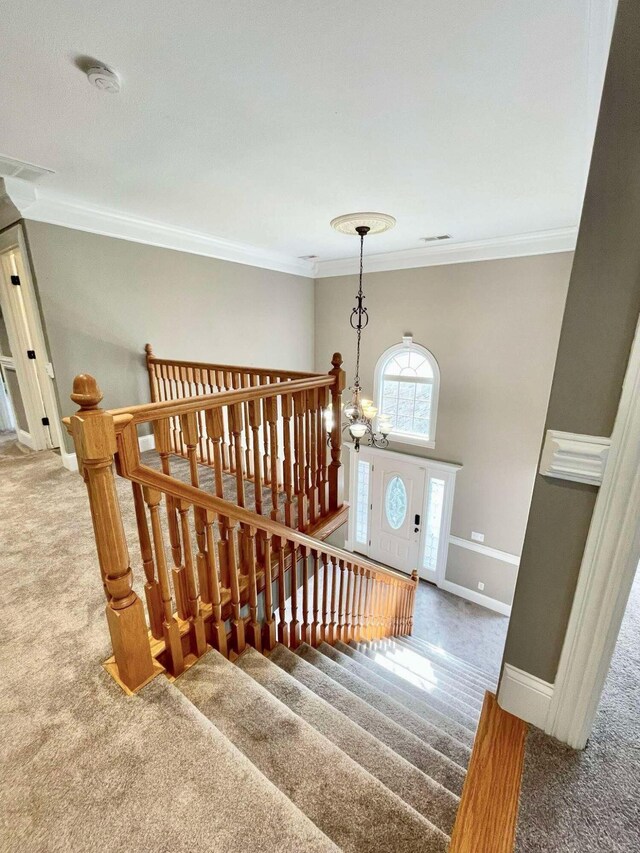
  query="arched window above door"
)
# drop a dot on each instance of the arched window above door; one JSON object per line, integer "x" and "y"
{"x": 407, "y": 385}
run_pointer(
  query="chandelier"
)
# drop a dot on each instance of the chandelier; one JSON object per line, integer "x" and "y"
{"x": 363, "y": 422}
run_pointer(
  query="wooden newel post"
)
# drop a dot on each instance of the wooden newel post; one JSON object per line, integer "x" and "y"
{"x": 94, "y": 437}
{"x": 335, "y": 475}
{"x": 153, "y": 384}
{"x": 412, "y": 605}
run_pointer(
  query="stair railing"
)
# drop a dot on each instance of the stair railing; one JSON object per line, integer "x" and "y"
{"x": 237, "y": 577}
{"x": 275, "y": 440}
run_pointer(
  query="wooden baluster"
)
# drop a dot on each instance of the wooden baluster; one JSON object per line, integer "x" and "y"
{"x": 305, "y": 630}
{"x": 269, "y": 625}
{"x": 266, "y": 458}
{"x": 335, "y": 475}
{"x": 235, "y": 425}
{"x": 189, "y": 432}
{"x": 332, "y": 634}
{"x": 216, "y": 631}
{"x": 324, "y": 625}
{"x": 405, "y": 609}
{"x": 323, "y": 403}
{"x": 237, "y": 625}
{"x": 348, "y": 627}
{"x": 366, "y": 612}
{"x": 307, "y": 477}
{"x": 94, "y": 437}
{"x": 254, "y": 632}
{"x": 315, "y": 625}
{"x": 412, "y": 604}
{"x": 294, "y": 626}
{"x": 311, "y": 474}
{"x": 341, "y": 615}
{"x": 215, "y": 430}
{"x": 283, "y": 628}
{"x": 162, "y": 440}
{"x": 196, "y": 628}
{"x": 396, "y": 609}
{"x": 379, "y": 606}
{"x": 271, "y": 407}
{"x": 151, "y": 587}
{"x": 255, "y": 421}
{"x": 373, "y": 624}
{"x": 357, "y": 604}
{"x": 171, "y": 630}
{"x": 299, "y": 444}
{"x": 248, "y": 453}
{"x": 287, "y": 411}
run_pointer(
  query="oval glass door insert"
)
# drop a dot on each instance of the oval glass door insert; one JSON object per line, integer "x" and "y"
{"x": 395, "y": 502}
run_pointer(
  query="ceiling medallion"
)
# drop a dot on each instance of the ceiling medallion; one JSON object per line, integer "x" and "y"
{"x": 375, "y": 223}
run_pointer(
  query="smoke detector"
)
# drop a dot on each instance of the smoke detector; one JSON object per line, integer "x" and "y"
{"x": 103, "y": 78}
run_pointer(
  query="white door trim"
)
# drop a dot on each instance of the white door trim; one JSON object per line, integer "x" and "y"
{"x": 13, "y": 239}
{"x": 608, "y": 568}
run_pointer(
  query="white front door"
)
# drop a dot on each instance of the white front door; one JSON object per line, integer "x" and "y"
{"x": 396, "y": 514}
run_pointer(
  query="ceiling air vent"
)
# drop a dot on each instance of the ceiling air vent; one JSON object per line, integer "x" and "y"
{"x": 10, "y": 168}
{"x": 436, "y": 238}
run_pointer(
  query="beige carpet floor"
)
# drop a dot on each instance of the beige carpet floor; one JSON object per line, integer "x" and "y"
{"x": 589, "y": 801}
{"x": 83, "y": 767}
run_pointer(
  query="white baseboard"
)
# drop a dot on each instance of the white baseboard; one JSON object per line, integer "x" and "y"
{"x": 70, "y": 460}
{"x": 476, "y": 597}
{"x": 525, "y": 695}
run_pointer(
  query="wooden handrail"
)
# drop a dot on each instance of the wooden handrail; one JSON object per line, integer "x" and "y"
{"x": 157, "y": 411}
{"x": 231, "y": 368}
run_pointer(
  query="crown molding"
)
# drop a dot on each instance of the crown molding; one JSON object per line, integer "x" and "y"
{"x": 35, "y": 205}
{"x": 514, "y": 246}
{"x": 45, "y": 207}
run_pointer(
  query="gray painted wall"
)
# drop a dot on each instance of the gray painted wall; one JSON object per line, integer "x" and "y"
{"x": 493, "y": 327}
{"x": 601, "y": 313}
{"x": 102, "y": 299}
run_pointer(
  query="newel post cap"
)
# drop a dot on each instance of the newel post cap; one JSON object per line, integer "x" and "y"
{"x": 86, "y": 392}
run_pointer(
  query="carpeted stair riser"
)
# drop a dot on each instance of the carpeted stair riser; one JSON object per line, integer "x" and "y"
{"x": 456, "y": 668}
{"x": 345, "y": 802}
{"x": 425, "y": 795}
{"x": 345, "y": 656}
{"x": 461, "y": 681}
{"x": 447, "y": 697}
{"x": 433, "y": 652}
{"x": 394, "y": 735}
{"x": 388, "y": 664}
{"x": 372, "y": 674}
{"x": 322, "y": 657}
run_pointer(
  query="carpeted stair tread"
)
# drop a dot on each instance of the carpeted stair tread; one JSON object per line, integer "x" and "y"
{"x": 425, "y": 795}
{"x": 390, "y": 665}
{"x": 399, "y": 739}
{"x": 330, "y": 662}
{"x": 449, "y": 659}
{"x": 462, "y": 679}
{"x": 444, "y": 661}
{"x": 263, "y": 816}
{"x": 345, "y": 802}
{"x": 375, "y": 676}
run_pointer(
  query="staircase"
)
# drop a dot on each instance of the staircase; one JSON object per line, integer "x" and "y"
{"x": 322, "y": 723}
{"x": 358, "y": 737}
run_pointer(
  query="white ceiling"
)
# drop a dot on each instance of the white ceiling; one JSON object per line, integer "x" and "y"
{"x": 258, "y": 121}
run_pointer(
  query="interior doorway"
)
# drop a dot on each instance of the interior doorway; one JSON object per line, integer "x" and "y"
{"x": 27, "y": 398}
